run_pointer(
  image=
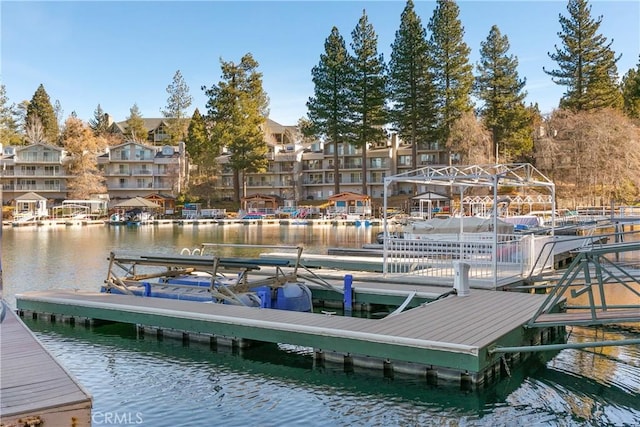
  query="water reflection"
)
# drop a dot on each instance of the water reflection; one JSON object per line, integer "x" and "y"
{"x": 172, "y": 384}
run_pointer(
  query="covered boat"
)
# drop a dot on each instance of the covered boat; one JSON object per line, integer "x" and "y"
{"x": 451, "y": 228}
{"x": 210, "y": 279}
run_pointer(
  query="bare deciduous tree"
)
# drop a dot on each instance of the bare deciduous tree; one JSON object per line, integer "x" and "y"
{"x": 593, "y": 153}
{"x": 470, "y": 140}
{"x": 34, "y": 130}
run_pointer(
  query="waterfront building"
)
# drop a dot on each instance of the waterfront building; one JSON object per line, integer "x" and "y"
{"x": 132, "y": 169}
{"x": 35, "y": 168}
{"x": 298, "y": 170}
{"x": 157, "y": 129}
{"x": 284, "y": 175}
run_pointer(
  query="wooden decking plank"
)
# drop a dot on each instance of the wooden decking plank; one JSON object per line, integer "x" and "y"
{"x": 502, "y": 317}
{"x": 453, "y": 325}
{"x": 31, "y": 379}
{"x": 487, "y": 315}
{"x": 484, "y": 321}
{"x": 632, "y": 316}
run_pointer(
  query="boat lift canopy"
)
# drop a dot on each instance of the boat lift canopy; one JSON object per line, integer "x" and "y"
{"x": 491, "y": 176}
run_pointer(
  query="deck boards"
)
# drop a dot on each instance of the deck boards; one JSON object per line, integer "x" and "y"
{"x": 31, "y": 380}
{"x": 475, "y": 320}
{"x": 629, "y": 315}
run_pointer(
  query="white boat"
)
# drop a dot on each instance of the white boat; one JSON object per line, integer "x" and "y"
{"x": 450, "y": 229}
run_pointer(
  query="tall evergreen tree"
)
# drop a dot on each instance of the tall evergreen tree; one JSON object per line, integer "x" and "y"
{"x": 9, "y": 129}
{"x": 631, "y": 92}
{"x": 237, "y": 109}
{"x": 329, "y": 111}
{"x": 501, "y": 91}
{"x": 100, "y": 122}
{"x": 40, "y": 107}
{"x": 368, "y": 94}
{"x": 176, "y": 110}
{"x": 586, "y": 62}
{"x": 411, "y": 90}
{"x": 134, "y": 126}
{"x": 197, "y": 140}
{"x": 452, "y": 71}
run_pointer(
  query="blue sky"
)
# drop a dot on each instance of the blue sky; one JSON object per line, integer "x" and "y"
{"x": 116, "y": 54}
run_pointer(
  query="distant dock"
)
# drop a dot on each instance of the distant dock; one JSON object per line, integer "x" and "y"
{"x": 35, "y": 389}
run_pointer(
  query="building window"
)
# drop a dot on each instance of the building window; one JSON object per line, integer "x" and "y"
{"x": 404, "y": 160}
{"x": 28, "y": 170}
{"x": 427, "y": 159}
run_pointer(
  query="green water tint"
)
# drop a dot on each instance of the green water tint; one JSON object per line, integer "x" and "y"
{"x": 170, "y": 384}
{"x": 286, "y": 363}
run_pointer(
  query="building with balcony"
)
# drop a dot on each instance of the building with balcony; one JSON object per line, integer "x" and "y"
{"x": 36, "y": 168}
{"x": 157, "y": 129}
{"x": 283, "y": 177}
{"x": 132, "y": 169}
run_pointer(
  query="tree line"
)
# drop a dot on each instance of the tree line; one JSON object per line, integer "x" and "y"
{"x": 427, "y": 93}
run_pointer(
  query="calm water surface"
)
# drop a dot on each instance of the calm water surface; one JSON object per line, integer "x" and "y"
{"x": 142, "y": 381}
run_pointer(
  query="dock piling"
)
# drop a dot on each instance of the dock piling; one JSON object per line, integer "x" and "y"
{"x": 348, "y": 293}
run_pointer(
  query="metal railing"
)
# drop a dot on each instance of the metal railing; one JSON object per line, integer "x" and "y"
{"x": 513, "y": 255}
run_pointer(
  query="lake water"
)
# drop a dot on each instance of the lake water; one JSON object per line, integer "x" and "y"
{"x": 143, "y": 381}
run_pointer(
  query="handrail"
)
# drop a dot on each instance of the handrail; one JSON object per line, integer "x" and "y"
{"x": 596, "y": 256}
{"x": 588, "y": 241}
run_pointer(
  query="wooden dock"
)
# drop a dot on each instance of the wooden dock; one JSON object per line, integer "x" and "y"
{"x": 35, "y": 389}
{"x": 448, "y": 339}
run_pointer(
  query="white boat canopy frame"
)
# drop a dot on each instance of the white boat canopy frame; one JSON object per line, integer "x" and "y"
{"x": 466, "y": 176}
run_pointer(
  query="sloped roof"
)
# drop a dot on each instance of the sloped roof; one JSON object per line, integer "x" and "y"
{"x": 137, "y": 202}
{"x": 43, "y": 144}
{"x": 430, "y": 195}
{"x": 347, "y": 195}
{"x": 261, "y": 197}
{"x": 29, "y": 197}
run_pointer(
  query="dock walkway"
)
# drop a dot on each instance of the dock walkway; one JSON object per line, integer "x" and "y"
{"x": 34, "y": 386}
{"x": 453, "y": 334}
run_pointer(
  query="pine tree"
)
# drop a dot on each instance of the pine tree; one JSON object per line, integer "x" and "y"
{"x": 100, "y": 122}
{"x": 40, "y": 107}
{"x": 411, "y": 90}
{"x": 197, "y": 139}
{"x": 176, "y": 110}
{"x": 329, "y": 111}
{"x": 501, "y": 90}
{"x": 451, "y": 69}
{"x": 587, "y": 64}
{"x": 134, "y": 127}
{"x": 368, "y": 94}
{"x": 631, "y": 92}
{"x": 9, "y": 130}
{"x": 237, "y": 108}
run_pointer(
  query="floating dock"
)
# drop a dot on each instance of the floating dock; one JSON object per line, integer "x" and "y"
{"x": 35, "y": 389}
{"x": 447, "y": 339}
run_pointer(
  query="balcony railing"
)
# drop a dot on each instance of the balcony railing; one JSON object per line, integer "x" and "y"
{"x": 42, "y": 173}
{"x": 33, "y": 187}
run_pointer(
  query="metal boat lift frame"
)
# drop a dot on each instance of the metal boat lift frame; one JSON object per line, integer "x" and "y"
{"x": 197, "y": 261}
{"x": 466, "y": 176}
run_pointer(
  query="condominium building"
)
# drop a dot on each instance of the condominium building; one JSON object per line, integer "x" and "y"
{"x": 130, "y": 169}
{"x": 133, "y": 169}
{"x": 36, "y": 168}
{"x": 298, "y": 169}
